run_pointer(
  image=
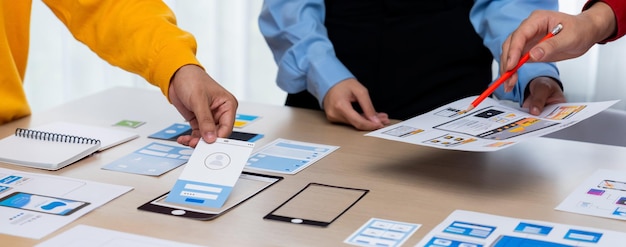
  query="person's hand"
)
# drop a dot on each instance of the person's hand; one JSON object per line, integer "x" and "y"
{"x": 209, "y": 108}
{"x": 580, "y": 32}
{"x": 338, "y": 106}
{"x": 543, "y": 91}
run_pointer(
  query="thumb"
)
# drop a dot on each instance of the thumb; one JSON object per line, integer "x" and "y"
{"x": 546, "y": 50}
{"x": 206, "y": 123}
{"x": 537, "y": 53}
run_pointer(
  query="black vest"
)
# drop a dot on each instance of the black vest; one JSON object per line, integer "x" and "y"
{"x": 412, "y": 55}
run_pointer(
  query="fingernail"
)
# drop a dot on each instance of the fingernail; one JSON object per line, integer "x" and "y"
{"x": 537, "y": 53}
{"x": 374, "y": 119}
{"x": 536, "y": 110}
{"x": 210, "y": 137}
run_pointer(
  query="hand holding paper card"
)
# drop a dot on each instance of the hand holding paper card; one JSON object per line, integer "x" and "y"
{"x": 211, "y": 173}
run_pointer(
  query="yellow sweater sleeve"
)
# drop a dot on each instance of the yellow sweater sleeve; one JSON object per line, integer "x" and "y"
{"x": 140, "y": 36}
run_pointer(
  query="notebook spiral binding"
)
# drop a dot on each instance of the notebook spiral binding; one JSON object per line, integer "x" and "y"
{"x": 48, "y": 136}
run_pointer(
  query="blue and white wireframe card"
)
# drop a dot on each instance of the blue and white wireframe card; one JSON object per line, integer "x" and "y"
{"x": 172, "y": 132}
{"x": 243, "y": 120}
{"x": 380, "y": 232}
{"x": 288, "y": 156}
{"x": 211, "y": 173}
{"x": 153, "y": 159}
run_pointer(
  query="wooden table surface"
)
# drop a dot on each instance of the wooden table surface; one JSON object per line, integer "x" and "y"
{"x": 407, "y": 183}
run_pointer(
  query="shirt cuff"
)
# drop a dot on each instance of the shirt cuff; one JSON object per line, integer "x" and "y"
{"x": 527, "y": 73}
{"x": 323, "y": 75}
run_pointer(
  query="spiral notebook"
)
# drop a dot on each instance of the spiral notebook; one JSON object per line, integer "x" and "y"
{"x": 56, "y": 145}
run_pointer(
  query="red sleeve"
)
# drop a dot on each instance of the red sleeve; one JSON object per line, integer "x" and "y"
{"x": 619, "y": 8}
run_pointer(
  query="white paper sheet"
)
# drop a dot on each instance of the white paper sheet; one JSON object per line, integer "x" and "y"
{"x": 489, "y": 127}
{"x": 83, "y": 235}
{"x": 52, "y": 196}
{"x": 603, "y": 194}
{"x": 466, "y": 228}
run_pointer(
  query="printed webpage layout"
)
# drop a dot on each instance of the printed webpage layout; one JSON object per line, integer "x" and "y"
{"x": 489, "y": 127}
{"x": 467, "y": 228}
{"x": 602, "y": 194}
{"x": 35, "y": 205}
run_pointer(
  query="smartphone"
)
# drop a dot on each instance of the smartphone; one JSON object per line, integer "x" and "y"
{"x": 317, "y": 204}
{"x": 42, "y": 203}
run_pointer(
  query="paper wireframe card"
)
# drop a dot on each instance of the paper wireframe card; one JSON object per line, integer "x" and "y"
{"x": 172, "y": 132}
{"x": 243, "y": 120}
{"x": 288, "y": 156}
{"x": 211, "y": 173}
{"x": 153, "y": 159}
{"x": 380, "y": 232}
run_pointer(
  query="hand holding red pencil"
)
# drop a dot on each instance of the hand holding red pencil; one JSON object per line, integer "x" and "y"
{"x": 508, "y": 74}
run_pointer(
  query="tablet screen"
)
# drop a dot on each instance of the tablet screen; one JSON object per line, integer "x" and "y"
{"x": 248, "y": 185}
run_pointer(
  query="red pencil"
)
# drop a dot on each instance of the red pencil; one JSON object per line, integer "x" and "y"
{"x": 509, "y": 73}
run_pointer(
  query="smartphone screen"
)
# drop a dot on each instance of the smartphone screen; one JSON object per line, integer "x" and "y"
{"x": 41, "y": 203}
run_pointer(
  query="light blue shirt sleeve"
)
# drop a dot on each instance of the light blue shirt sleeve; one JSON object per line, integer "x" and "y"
{"x": 494, "y": 21}
{"x": 298, "y": 39}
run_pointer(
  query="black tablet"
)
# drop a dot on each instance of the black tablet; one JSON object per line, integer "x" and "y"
{"x": 248, "y": 185}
